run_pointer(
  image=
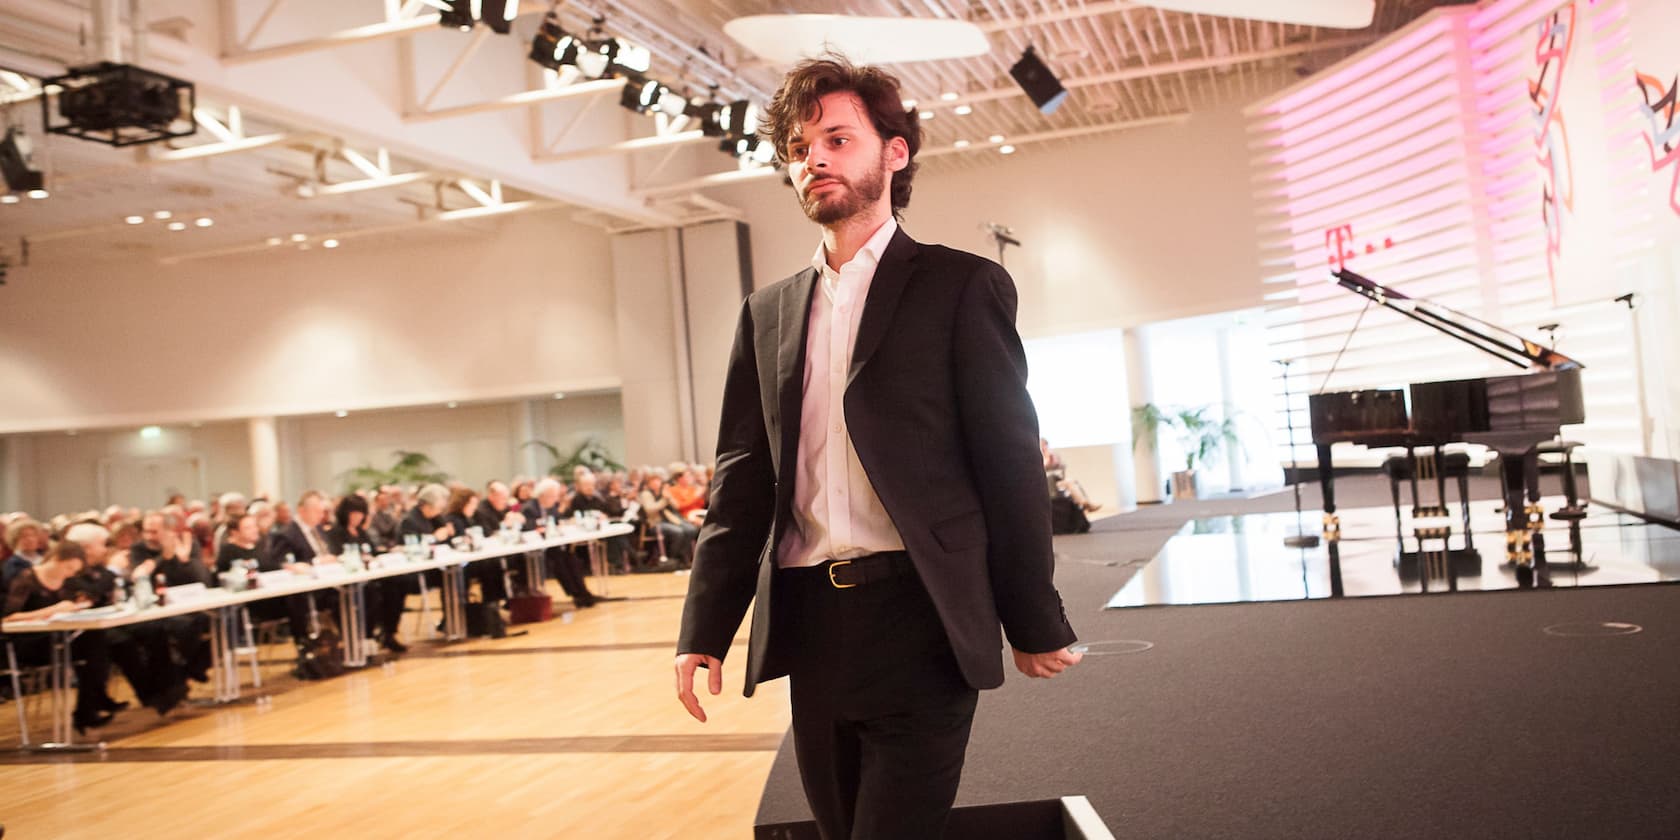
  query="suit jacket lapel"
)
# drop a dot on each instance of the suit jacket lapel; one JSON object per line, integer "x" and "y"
{"x": 891, "y": 276}
{"x": 792, "y": 326}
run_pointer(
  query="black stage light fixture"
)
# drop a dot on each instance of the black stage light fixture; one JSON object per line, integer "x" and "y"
{"x": 498, "y": 14}
{"x": 1040, "y": 84}
{"x": 553, "y": 47}
{"x": 739, "y": 119}
{"x": 119, "y": 104}
{"x": 456, "y": 14}
{"x": 709, "y": 115}
{"x": 641, "y": 94}
{"x": 16, "y": 164}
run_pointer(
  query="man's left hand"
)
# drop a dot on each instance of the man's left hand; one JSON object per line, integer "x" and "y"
{"x": 1046, "y": 665}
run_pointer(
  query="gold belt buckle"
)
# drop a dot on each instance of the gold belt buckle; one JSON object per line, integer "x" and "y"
{"x": 837, "y": 584}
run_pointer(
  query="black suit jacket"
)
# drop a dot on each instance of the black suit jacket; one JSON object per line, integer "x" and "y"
{"x": 938, "y": 411}
{"x": 291, "y": 539}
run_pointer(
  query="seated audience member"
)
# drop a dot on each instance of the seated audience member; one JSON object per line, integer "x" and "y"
{"x": 282, "y": 514}
{"x": 687, "y": 493}
{"x": 41, "y": 592}
{"x": 178, "y": 563}
{"x": 427, "y": 519}
{"x": 176, "y": 500}
{"x": 124, "y": 536}
{"x": 495, "y": 510}
{"x": 523, "y": 490}
{"x": 544, "y": 506}
{"x": 300, "y": 544}
{"x": 141, "y": 651}
{"x": 659, "y": 510}
{"x": 1068, "y": 502}
{"x": 248, "y": 539}
{"x": 385, "y": 525}
{"x": 460, "y": 510}
{"x": 588, "y": 498}
{"x": 233, "y": 506}
{"x": 387, "y": 597}
{"x": 28, "y": 541}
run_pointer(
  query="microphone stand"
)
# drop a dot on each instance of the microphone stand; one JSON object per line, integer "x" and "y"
{"x": 1299, "y": 540}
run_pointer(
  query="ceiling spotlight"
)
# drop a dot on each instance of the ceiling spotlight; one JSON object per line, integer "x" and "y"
{"x": 329, "y": 243}
{"x": 926, "y": 115}
{"x": 559, "y": 395}
{"x": 455, "y": 14}
{"x": 274, "y": 240}
{"x": 642, "y": 95}
{"x": 995, "y": 138}
{"x": 204, "y": 221}
{"x": 1006, "y": 149}
{"x": 162, "y": 214}
{"x": 37, "y": 193}
{"x": 909, "y": 104}
{"x": 739, "y": 119}
{"x": 298, "y": 237}
{"x": 453, "y": 404}
{"x": 754, "y": 150}
{"x": 135, "y": 220}
{"x": 949, "y": 96}
{"x": 9, "y": 198}
{"x": 177, "y": 225}
{"x": 341, "y": 414}
{"x": 552, "y": 47}
{"x": 496, "y": 14}
{"x": 151, "y": 432}
{"x": 1040, "y": 84}
{"x": 960, "y": 144}
{"x": 963, "y": 110}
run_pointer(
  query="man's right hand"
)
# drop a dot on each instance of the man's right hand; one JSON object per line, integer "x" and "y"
{"x": 686, "y": 663}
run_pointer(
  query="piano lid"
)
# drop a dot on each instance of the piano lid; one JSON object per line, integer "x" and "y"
{"x": 1494, "y": 340}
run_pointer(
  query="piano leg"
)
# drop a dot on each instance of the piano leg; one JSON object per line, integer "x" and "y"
{"x": 1512, "y": 480}
{"x": 1464, "y": 508}
{"x": 1327, "y": 487}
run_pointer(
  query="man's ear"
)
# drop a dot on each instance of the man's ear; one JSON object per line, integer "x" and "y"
{"x": 898, "y": 154}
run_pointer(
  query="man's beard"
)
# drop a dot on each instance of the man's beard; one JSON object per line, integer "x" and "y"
{"x": 853, "y": 198}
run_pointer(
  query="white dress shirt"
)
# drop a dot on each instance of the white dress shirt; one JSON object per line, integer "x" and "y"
{"x": 836, "y": 514}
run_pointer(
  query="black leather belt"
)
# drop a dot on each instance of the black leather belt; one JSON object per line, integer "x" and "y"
{"x": 872, "y": 568}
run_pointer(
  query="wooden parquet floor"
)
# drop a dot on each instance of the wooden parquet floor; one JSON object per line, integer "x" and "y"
{"x": 570, "y": 731}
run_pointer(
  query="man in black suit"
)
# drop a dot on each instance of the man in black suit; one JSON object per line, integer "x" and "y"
{"x": 545, "y": 505}
{"x": 878, "y": 489}
{"x": 298, "y": 543}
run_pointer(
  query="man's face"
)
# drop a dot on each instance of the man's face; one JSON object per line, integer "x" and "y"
{"x": 310, "y": 512}
{"x": 248, "y": 530}
{"x": 549, "y": 498}
{"x": 586, "y": 485}
{"x": 838, "y": 164}
{"x": 151, "y": 532}
{"x": 498, "y": 496}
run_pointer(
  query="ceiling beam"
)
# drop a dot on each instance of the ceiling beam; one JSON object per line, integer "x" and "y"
{"x": 358, "y": 35}
{"x": 520, "y": 100}
{"x": 681, "y": 138}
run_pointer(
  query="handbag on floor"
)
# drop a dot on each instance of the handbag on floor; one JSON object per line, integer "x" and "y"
{"x": 526, "y": 609}
{"x": 485, "y": 621}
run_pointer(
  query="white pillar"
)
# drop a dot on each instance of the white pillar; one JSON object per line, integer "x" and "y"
{"x": 530, "y": 423}
{"x": 265, "y": 456}
{"x": 17, "y": 454}
{"x": 1140, "y": 389}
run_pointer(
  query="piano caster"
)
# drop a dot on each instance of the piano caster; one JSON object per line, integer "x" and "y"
{"x": 1525, "y": 577}
{"x": 1332, "y": 528}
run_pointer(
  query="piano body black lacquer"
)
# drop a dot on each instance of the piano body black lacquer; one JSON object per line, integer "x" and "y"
{"x": 1509, "y": 414}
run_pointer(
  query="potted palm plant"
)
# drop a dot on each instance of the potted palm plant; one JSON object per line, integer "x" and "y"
{"x": 1200, "y": 434}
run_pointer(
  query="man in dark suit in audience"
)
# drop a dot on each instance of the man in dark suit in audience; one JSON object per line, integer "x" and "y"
{"x": 494, "y": 510}
{"x": 879, "y": 493}
{"x": 303, "y": 540}
{"x": 544, "y": 505}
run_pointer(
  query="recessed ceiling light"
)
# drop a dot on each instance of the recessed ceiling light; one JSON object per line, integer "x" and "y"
{"x": 909, "y": 104}
{"x": 960, "y": 144}
{"x": 341, "y": 414}
{"x": 162, "y": 214}
{"x": 303, "y": 246}
{"x": 454, "y": 404}
{"x": 927, "y": 115}
{"x": 8, "y": 198}
{"x": 275, "y": 240}
{"x": 949, "y": 96}
{"x": 71, "y": 432}
{"x": 177, "y": 225}
{"x": 963, "y": 110}
{"x": 298, "y": 237}
{"x": 1006, "y": 149}
{"x": 559, "y": 395}
{"x": 135, "y": 220}
{"x": 38, "y": 193}
{"x": 329, "y": 243}
{"x": 150, "y": 432}
{"x": 204, "y": 221}
{"x": 995, "y": 138}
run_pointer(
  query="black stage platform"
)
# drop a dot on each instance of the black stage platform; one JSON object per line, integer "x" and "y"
{"x": 1533, "y": 713}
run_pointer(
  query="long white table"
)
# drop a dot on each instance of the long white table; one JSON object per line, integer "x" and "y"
{"x": 224, "y": 605}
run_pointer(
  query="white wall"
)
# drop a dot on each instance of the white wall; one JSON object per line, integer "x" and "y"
{"x": 58, "y": 472}
{"x": 526, "y": 307}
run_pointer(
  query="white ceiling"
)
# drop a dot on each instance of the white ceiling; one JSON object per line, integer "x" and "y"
{"x": 1122, "y": 62}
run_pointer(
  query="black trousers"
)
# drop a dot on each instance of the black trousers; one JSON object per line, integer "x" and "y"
{"x": 881, "y": 712}
{"x": 564, "y": 567}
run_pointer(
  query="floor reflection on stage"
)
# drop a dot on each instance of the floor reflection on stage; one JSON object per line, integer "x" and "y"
{"x": 1227, "y": 559}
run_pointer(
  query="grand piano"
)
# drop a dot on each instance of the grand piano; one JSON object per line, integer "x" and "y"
{"x": 1511, "y": 415}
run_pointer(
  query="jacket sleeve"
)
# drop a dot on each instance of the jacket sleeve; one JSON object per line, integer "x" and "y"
{"x": 726, "y": 558}
{"x": 1000, "y": 430}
